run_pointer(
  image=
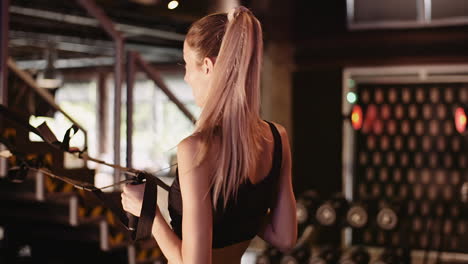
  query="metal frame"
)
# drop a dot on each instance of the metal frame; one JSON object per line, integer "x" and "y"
{"x": 91, "y": 46}
{"x": 391, "y": 74}
{"x": 102, "y": 111}
{"x": 96, "y": 22}
{"x": 130, "y": 86}
{"x": 423, "y": 20}
{"x": 134, "y": 60}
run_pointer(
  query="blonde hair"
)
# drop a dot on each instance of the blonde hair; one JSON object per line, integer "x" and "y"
{"x": 232, "y": 108}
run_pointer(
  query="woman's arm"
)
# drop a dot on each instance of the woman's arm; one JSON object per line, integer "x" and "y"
{"x": 280, "y": 229}
{"x": 197, "y": 221}
{"x": 197, "y": 211}
{"x": 168, "y": 241}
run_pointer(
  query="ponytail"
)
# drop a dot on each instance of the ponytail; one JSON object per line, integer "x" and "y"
{"x": 232, "y": 108}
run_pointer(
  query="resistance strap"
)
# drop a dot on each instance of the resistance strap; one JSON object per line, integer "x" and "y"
{"x": 139, "y": 228}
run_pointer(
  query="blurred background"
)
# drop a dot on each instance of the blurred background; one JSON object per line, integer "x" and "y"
{"x": 373, "y": 93}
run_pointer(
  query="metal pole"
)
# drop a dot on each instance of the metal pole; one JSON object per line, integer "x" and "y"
{"x": 40, "y": 189}
{"x": 4, "y": 31}
{"x": 102, "y": 113}
{"x": 117, "y": 105}
{"x": 130, "y": 84}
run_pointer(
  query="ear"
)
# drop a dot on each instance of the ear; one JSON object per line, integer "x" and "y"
{"x": 208, "y": 65}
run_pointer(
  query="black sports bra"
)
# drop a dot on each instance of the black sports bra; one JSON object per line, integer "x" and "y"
{"x": 240, "y": 220}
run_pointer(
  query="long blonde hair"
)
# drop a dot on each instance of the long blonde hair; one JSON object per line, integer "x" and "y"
{"x": 232, "y": 108}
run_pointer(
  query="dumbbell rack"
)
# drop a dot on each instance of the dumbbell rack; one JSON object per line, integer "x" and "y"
{"x": 409, "y": 153}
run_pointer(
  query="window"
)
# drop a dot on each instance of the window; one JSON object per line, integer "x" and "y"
{"x": 374, "y": 14}
{"x": 384, "y": 10}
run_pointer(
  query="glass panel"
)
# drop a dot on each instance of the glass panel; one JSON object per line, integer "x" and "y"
{"x": 158, "y": 124}
{"x": 384, "y": 10}
{"x": 449, "y": 8}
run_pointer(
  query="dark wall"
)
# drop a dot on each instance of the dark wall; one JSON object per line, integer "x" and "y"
{"x": 323, "y": 39}
{"x": 316, "y": 99}
{"x": 313, "y": 18}
{"x": 317, "y": 130}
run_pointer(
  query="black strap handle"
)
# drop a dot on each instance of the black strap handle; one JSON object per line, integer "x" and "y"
{"x": 144, "y": 223}
{"x": 140, "y": 228}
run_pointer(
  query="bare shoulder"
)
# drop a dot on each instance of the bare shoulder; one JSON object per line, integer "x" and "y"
{"x": 187, "y": 151}
{"x": 281, "y": 130}
{"x": 189, "y": 145}
{"x": 187, "y": 159}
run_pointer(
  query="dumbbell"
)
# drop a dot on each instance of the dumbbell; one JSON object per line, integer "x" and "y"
{"x": 298, "y": 256}
{"x": 270, "y": 256}
{"x": 393, "y": 256}
{"x": 332, "y": 212}
{"x": 357, "y": 255}
{"x": 327, "y": 255}
{"x": 306, "y": 208}
{"x": 388, "y": 215}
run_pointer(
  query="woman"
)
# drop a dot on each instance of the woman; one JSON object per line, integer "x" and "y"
{"x": 234, "y": 171}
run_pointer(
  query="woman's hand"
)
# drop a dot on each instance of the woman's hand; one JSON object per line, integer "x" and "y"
{"x": 132, "y": 198}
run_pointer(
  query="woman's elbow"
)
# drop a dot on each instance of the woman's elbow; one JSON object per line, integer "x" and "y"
{"x": 287, "y": 245}
{"x": 286, "y": 249}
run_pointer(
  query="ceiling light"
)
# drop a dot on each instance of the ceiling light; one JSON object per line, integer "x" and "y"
{"x": 173, "y": 4}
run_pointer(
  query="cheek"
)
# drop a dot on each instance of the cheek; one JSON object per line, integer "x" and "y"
{"x": 191, "y": 80}
{"x": 187, "y": 77}
{"x": 190, "y": 77}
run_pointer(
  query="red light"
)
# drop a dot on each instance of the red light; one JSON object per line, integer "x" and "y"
{"x": 356, "y": 117}
{"x": 460, "y": 120}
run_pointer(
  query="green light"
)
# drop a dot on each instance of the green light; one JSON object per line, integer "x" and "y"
{"x": 351, "y": 97}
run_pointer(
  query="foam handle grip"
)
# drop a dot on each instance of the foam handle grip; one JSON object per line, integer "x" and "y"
{"x": 133, "y": 220}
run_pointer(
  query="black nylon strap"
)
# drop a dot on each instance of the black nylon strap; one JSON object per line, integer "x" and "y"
{"x": 47, "y": 134}
{"x": 139, "y": 228}
{"x": 277, "y": 160}
{"x": 148, "y": 211}
{"x": 278, "y": 148}
{"x": 66, "y": 138}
